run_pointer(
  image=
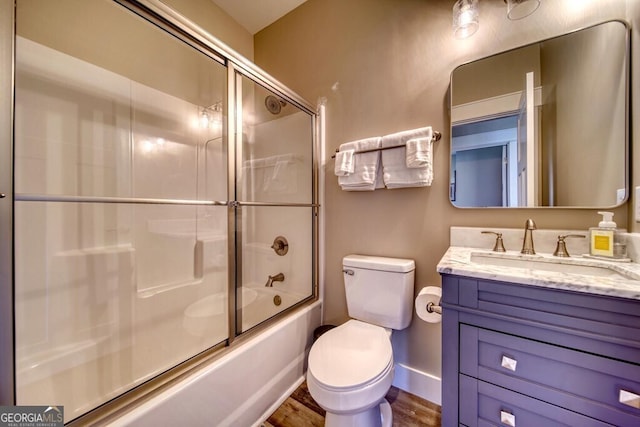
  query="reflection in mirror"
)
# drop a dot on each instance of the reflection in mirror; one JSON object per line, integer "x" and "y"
{"x": 543, "y": 125}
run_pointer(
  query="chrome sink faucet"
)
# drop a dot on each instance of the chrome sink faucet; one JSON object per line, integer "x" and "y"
{"x": 527, "y": 245}
{"x": 277, "y": 278}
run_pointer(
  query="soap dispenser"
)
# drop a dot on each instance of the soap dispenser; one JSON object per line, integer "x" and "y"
{"x": 605, "y": 239}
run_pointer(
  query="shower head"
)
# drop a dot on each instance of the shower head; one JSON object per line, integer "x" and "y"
{"x": 273, "y": 104}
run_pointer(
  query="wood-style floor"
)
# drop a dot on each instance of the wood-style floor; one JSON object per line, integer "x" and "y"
{"x": 300, "y": 410}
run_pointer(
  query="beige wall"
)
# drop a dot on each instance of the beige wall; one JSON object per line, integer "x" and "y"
{"x": 384, "y": 66}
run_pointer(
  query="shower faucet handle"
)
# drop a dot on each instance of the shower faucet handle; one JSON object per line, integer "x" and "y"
{"x": 280, "y": 245}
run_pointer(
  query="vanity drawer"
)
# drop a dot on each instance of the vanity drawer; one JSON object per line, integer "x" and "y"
{"x": 579, "y": 381}
{"x": 572, "y": 319}
{"x": 483, "y": 404}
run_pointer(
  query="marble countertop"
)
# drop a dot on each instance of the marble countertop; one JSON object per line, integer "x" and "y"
{"x": 458, "y": 261}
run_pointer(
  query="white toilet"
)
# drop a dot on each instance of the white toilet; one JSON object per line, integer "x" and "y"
{"x": 350, "y": 367}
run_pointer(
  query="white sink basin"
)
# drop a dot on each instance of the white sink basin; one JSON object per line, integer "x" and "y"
{"x": 560, "y": 265}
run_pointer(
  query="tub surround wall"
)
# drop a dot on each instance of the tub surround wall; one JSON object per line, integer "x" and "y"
{"x": 384, "y": 66}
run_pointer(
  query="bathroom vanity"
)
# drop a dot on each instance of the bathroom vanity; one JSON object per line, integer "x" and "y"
{"x": 529, "y": 347}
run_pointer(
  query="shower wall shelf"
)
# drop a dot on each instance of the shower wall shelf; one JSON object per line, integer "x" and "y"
{"x": 436, "y": 137}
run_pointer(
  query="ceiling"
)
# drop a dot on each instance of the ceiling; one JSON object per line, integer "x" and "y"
{"x": 254, "y": 15}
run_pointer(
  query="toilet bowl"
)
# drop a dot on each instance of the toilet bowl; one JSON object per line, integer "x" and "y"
{"x": 350, "y": 371}
{"x": 350, "y": 367}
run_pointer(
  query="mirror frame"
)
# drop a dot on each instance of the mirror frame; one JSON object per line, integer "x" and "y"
{"x": 627, "y": 118}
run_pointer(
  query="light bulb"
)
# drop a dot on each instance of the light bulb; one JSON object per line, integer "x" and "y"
{"x": 518, "y": 9}
{"x": 465, "y": 18}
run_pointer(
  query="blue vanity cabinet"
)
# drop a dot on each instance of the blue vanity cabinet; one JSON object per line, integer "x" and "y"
{"x": 520, "y": 355}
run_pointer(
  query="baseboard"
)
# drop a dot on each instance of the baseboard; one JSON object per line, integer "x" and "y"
{"x": 420, "y": 383}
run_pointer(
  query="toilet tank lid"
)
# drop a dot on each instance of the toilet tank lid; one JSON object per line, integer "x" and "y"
{"x": 379, "y": 263}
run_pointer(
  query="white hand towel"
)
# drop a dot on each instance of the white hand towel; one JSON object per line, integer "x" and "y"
{"x": 418, "y": 152}
{"x": 401, "y": 138}
{"x": 368, "y": 186}
{"x": 365, "y": 165}
{"x": 394, "y": 161}
{"x": 379, "y": 177}
{"x": 344, "y": 163}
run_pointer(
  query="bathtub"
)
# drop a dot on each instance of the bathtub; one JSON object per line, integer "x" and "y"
{"x": 243, "y": 387}
{"x": 267, "y": 303}
{"x": 208, "y": 316}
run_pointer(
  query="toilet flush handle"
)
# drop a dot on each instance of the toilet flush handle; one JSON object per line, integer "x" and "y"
{"x": 348, "y": 272}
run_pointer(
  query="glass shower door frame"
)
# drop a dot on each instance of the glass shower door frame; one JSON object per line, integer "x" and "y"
{"x": 160, "y": 15}
{"x": 236, "y": 205}
{"x": 7, "y": 29}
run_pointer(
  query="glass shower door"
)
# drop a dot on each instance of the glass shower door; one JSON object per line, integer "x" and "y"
{"x": 121, "y": 265}
{"x": 275, "y": 194}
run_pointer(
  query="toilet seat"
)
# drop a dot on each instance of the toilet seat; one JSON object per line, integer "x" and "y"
{"x": 351, "y": 356}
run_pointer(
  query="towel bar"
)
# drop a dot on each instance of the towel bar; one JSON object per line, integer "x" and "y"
{"x": 436, "y": 137}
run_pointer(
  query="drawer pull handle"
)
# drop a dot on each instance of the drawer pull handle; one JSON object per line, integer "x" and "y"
{"x": 629, "y": 399}
{"x": 509, "y": 363}
{"x": 507, "y": 419}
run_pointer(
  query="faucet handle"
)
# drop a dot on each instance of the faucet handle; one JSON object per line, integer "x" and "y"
{"x": 561, "y": 246}
{"x": 499, "y": 245}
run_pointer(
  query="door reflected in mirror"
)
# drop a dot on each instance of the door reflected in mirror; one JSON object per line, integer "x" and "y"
{"x": 543, "y": 125}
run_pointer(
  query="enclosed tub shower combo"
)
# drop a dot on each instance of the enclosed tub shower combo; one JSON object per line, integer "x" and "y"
{"x": 165, "y": 202}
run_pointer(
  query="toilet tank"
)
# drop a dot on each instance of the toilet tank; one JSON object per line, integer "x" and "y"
{"x": 379, "y": 290}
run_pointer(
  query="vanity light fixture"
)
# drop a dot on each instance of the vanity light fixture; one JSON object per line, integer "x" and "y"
{"x": 518, "y": 9}
{"x": 465, "y": 18}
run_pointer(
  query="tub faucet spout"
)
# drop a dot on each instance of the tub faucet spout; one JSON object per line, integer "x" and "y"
{"x": 527, "y": 245}
{"x": 277, "y": 278}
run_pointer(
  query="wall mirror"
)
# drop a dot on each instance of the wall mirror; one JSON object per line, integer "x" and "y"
{"x": 544, "y": 125}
